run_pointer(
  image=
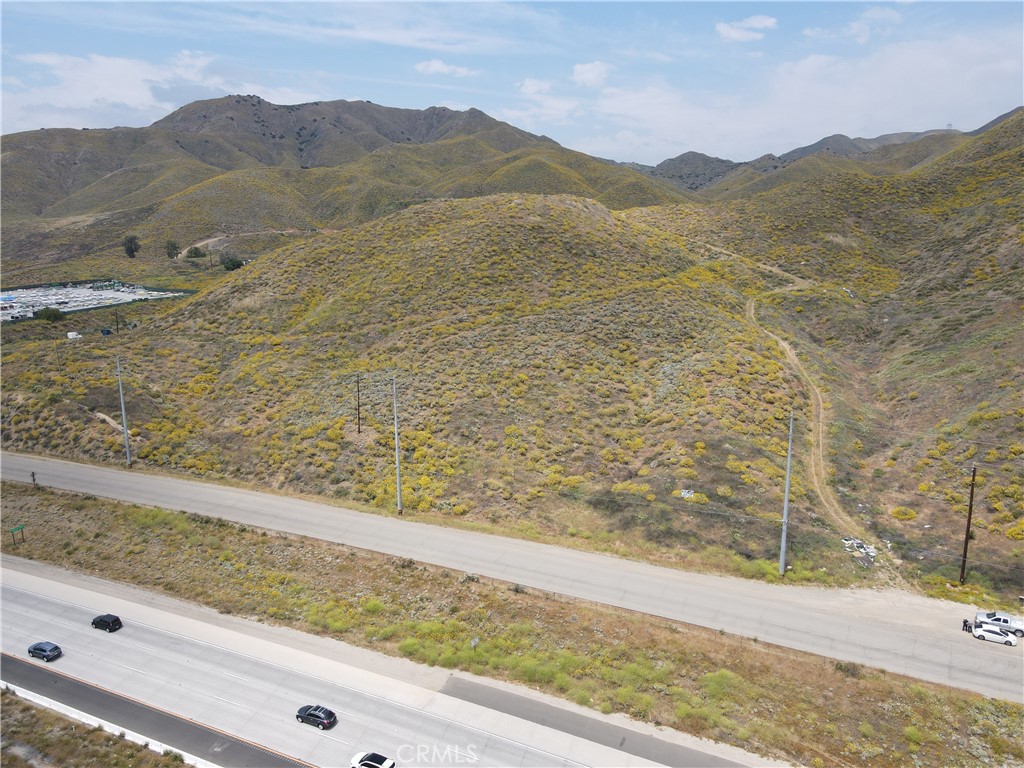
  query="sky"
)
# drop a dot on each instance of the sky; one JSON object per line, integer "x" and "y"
{"x": 628, "y": 81}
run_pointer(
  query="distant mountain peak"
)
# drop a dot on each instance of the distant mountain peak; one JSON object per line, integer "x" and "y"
{"x": 696, "y": 171}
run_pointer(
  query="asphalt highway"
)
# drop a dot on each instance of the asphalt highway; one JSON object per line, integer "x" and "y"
{"x": 899, "y": 632}
{"x": 226, "y": 690}
{"x": 192, "y": 738}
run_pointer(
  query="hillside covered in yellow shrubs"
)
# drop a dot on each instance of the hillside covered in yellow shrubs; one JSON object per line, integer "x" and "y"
{"x": 580, "y": 353}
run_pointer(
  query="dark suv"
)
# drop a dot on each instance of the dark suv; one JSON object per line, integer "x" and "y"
{"x": 45, "y": 650}
{"x": 108, "y": 622}
{"x": 314, "y": 714}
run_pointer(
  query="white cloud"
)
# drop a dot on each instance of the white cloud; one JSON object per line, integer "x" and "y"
{"x": 438, "y": 67}
{"x": 912, "y": 86}
{"x": 540, "y": 107}
{"x": 872, "y": 21}
{"x": 533, "y": 87}
{"x": 818, "y": 33}
{"x": 636, "y": 53}
{"x": 660, "y": 121}
{"x": 591, "y": 75}
{"x": 87, "y": 80}
{"x": 882, "y": 15}
{"x": 461, "y": 27}
{"x": 100, "y": 91}
{"x": 745, "y": 31}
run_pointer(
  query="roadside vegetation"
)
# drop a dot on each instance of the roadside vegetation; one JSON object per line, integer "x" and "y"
{"x": 36, "y": 737}
{"x": 770, "y": 700}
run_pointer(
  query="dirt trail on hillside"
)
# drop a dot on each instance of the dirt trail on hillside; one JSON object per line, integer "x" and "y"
{"x": 818, "y": 424}
{"x": 819, "y": 469}
{"x": 218, "y": 238}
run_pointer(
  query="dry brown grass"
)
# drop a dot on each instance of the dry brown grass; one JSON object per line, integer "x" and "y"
{"x": 766, "y": 699}
{"x": 36, "y": 737}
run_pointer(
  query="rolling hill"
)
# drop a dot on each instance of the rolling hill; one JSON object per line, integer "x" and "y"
{"x": 580, "y": 353}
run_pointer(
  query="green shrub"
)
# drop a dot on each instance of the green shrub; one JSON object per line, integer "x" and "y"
{"x": 721, "y": 684}
{"x": 50, "y": 313}
{"x": 231, "y": 263}
{"x": 373, "y": 606}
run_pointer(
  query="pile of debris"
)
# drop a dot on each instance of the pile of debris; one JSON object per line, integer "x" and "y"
{"x": 863, "y": 553}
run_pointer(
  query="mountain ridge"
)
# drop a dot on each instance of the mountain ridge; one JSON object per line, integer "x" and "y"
{"x": 213, "y": 168}
{"x": 696, "y": 171}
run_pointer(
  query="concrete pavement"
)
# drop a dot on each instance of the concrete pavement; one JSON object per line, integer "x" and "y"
{"x": 555, "y": 725}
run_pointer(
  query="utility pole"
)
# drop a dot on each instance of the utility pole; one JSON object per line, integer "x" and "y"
{"x": 398, "y": 461}
{"x": 785, "y": 502}
{"x": 359, "y": 422}
{"x": 124, "y": 415}
{"x": 967, "y": 533}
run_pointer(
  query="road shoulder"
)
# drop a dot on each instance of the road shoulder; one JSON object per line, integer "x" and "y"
{"x": 491, "y": 705}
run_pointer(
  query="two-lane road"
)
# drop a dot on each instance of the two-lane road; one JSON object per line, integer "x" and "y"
{"x": 896, "y": 631}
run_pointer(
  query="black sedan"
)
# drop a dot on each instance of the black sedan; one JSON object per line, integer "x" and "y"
{"x": 314, "y": 714}
{"x": 45, "y": 650}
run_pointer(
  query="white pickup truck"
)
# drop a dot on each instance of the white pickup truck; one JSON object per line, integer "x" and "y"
{"x": 1001, "y": 620}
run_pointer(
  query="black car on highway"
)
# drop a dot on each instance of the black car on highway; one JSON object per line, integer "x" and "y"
{"x": 314, "y": 714}
{"x": 108, "y": 622}
{"x": 45, "y": 650}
